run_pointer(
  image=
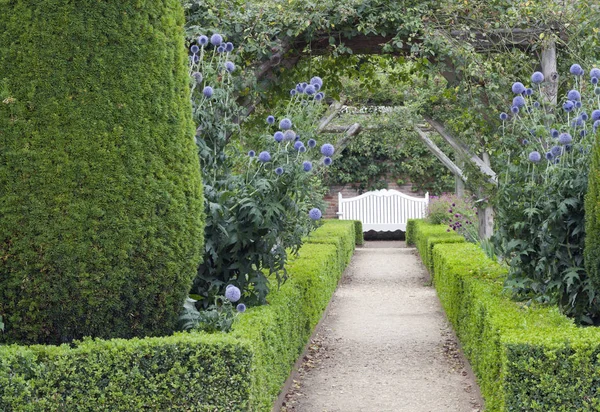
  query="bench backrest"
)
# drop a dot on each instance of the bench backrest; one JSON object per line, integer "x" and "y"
{"x": 382, "y": 210}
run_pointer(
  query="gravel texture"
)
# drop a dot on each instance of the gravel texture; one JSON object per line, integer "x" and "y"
{"x": 385, "y": 344}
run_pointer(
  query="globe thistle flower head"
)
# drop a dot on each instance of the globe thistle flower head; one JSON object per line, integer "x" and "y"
{"x": 556, "y": 150}
{"x": 537, "y": 78}
{"x": 233, "y": 293}
{"x": 535, "y": 157}
{"x": 306, "y": 166}
{"x": 518, "y": 88}
{"x": 549, "y": 156}
{"x": 289, "y": 136}
{"x": 317, "y": 87}
{"x": 595, "y": 73}
{"x": 198, "y": 77}
{"x": 312, "y": 143}
{"x": 310, "y": 90}
{"x": 278, "y": 136}
{"x": 195, "y": 58}
{"x": 298, "y": 145}
{"x": 565, "y": 138}
{"x": 569, "y": 147}
{"x": 241, "y": 308}
{"x": 568, "y": 106}
{"x": 327, "y": 149}
{"x": 229, "y": 46}
{"x": 554, "y": 133}
{"x": 578, "y": 105}
{"x": 264, "y": 157}
{"x": 584, "y": 116}
{"x": 220, "y": 49}
{"x": 596, "y": 115}
{"x": 314, "y": 214}
{"x": 518, "y": 101}
{"x": 194, "y": 49}
{"x": 251, "y": 153}
{"x": 582, "y": 133}
{"x": 302, "y": 149}
{"x": 514, "y": 110}
{"x": 525, "y": 142}
{"x": 208, "y": 91}
{"x": 574, "y": 95}
{"x": 319, "y": 81}
{"x": 271, "y": 119}
{"x": 536, "y": 104}
{"x": 528, "y": 92}
{"x": 293, "y": 92}
{"x": 297, "y": 137}
{"x": 319, "y": 96}
{"x": 503, "y": 116}
{"x": 576, "y": 70}
{"x": 596, "y": 125}
{"x": 300, "y": 87}
{"x": 594, "y": 80}
{"x": 327, "y": 161}
{"x": 229, "y": 66}
{"x": 203, "y": 40}
{"x": 285, "y": 124}
{"x": 279, "y": 171}
{"x": 216, "y": 39}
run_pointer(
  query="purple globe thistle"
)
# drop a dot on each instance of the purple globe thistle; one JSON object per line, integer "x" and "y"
{"x": 221, "y": 49}
{"x": 195, "y": 58}
{"x": 203, "y": 40}
{"x": 298, "y": 145}
{"x": 198, "y": 77}
{"x": 525, "y": 142}
{"x": 264, "y": 157}
{"x": 300, "y": 87}
{"x": 556, "y": 150}
{"x": 549, "y": 156}
{"x": 565, "y": 138}
{"x": 582, "y": 133}
{"x": 216, "y": 39}
{"x": 595, "y": 73}
{"x": 314, "y": 214}
{"x": 327, "y": 149}
{"x": 317, "y": 87}
{"x": 319, "y": 81}
{"x": 278, "y": 136}
{"x": 208, "y": 91}
{"x": 514, "y": 110}
{"x": 194, "y": 49}
{"x": 229, "y": 66}
{"x": 578, "y": 105}
{"x": 293, "y": 92}
{"x": 554, "y": 133}
{"x": 251, "y": 153}
{"x": 307, "y": 166}
{"x": 503, "y": 116}
{"x": 518, "y": 101}
{"x": 312, "y": 143}
{"x": 569, "y": 147}
{"x": 289, "y": 136}
{"x": 319, "y": 96}
{"x": 285, "y": 124}
{"x": 279, "y": 171}
{"x": 584, "y": 116}
{"x": 535, "y": 157}
{"x": 241, "y": 308}
{"x": 229, "y": 46}
{"x": 232, "y": 293}
{"x": 528, "y": 92}
{"x": 518, "y": 88}
{"x": 302, "y": 149}
{"x": 270, "y": 119}
{"x": 596, "y": 125}
{"x": 595, "y": 115}
{"x": 574, "y": 95}
{"x": 327, "y": 161}
{"x": 568, "y": 106}
{"x": 310, "y": 90}
{"x": 576, "y": 70}
{"x": 537, "y": 78}
{"x": 297, "y": 137}
{"x": 594, "y": 80}
{"x": 536, "y": 104}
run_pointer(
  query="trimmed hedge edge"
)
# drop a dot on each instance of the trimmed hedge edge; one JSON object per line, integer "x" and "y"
{"x": 240, "y": 371}
{"x": 525, "y": 357}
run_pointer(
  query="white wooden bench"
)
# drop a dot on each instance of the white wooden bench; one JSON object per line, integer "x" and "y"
{"x": 382, "y": 210}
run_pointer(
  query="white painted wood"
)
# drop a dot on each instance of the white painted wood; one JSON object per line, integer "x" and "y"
{"x": 382, "y": 210}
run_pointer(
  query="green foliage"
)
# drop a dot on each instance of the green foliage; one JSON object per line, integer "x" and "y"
{"x": 101, "y": 197}
{"x": 592, "y": 216}
{"x": 540, "y": 207}
{"x": 218, "y": 317}
{"x": 525, "y": 357}
{"x": 442, "y": 209}
{"x": 425, "y": 236}
{"x": 239, "y": 371}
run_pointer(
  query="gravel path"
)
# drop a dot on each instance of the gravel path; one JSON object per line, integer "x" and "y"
{"x": 384, "y": 345}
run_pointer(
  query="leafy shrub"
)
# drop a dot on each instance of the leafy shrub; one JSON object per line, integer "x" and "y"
{"x": 592, "y": 216}
{"x": 425, "y": 236}
{"x": 261, "y": 203}
{"x": 100, "y": 190}
{"x": 444, "y": 208}
{"x": 239, "y": 371}
{"x": 540, "y": 205}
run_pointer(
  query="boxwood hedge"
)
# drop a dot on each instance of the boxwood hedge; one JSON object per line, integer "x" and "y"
{"x": 240, "y": 371}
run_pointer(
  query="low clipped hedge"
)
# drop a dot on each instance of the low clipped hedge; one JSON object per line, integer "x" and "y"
{"x": 526, "y": 358}
{"x": 425, "y": 236}
{"x": 240, "y": 371}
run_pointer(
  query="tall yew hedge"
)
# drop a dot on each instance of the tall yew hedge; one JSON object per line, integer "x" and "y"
{"x": 592, "y": 215}
{"x": 100, "y": 189}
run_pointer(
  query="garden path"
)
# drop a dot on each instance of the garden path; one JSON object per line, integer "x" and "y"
{"x": 384, "y": 344}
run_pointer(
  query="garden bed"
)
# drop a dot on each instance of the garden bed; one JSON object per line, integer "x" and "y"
{"x": 525, "y": 357}
{"x": 239, "y": 371}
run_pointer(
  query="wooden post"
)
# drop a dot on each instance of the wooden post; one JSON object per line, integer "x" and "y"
{"x": 550, "y": 85}
{"x": 459, "y": 184}
{"x": 485, "y": 211}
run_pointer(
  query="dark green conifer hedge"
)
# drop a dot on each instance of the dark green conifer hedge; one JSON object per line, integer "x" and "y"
{"x": 100, "y": 190}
